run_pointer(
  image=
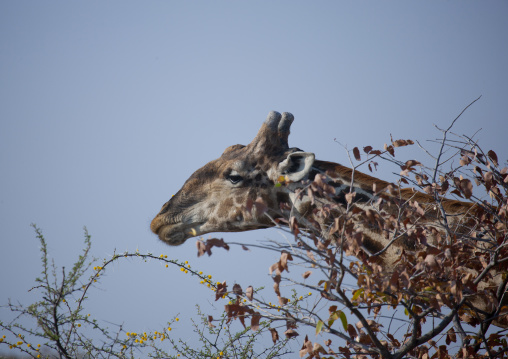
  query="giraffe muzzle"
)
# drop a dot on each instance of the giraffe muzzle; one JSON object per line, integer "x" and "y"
{"x": 174, "y": 233}
{"x": 171, "y": 235}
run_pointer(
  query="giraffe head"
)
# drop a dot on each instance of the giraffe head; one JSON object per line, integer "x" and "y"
{"x": 216, "y": 197}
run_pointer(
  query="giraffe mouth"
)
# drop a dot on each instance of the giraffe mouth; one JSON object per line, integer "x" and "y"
{"x": 174, "y": 233}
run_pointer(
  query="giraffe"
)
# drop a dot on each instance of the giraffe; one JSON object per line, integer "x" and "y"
{"x": 253, "y": 186}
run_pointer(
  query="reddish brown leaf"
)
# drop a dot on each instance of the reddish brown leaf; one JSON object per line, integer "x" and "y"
{"x": 209, "y": 244}
{"x": 456, "y": 192}
{"x": 367, "y": 149}
{"x": 335, "y": 228}
{"x": 249, "y": 292}
{"x": 444, "y": 187}
{"x": 290, "y": 333}
{"x": 275, "y": 335}
{"x": 222, "y": 289}
{"x": 390, "y": 150}
{"x": 456, "y": 289}
{"x": 310, "y": 193}
{"x": 373, "y": 325}
{"x": 412, "y": 163}
{"x": 293, "y": 225}
{"x": 345, "y": 351}
{"x": 276, "y": 289}
{"x": 275, "y": 268}
{"x": 306, "y": 274}
{"x": 254, "y": 323}
{"x": 431, "y": 261}
{"x": 467, "y": 188}
{"x": 394, "y": 281}
{"x": 201, "y": 248}
{"x": 245, "y": 248}
{"x": 443, "y": 299}
{"x": 364, "y": 339}
{"x": 284, "y": 258}
{"x": 306, "y": 347}
{"x": 237, "y": 289}
{"x": 283, "y": 301}
{"x": 277, "y": 280}
{"x": 419, "y": 209}
{"x": 401, "y": 143}
{"x": 465, "y": 160}
{"x": 356, "y": 153}
{"x": 492, "y": 155}
{"x": 488, "y": 178}
{"x": 351, "y": 331}
{"x": 318, "y": 349}
{"x": 210, "y": 320}
{"x": 404, "y": 173}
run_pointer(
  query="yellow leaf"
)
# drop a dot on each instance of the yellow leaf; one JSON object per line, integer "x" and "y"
{"x": 319, "y": 326}
{"x": 357, "y": 293}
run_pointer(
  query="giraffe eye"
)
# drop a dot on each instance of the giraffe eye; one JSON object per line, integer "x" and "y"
{"x": 234, "y": 179}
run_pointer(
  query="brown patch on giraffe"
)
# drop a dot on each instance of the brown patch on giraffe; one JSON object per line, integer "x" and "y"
{"x": 283, "y": 197}
{"x": 238, "y": 216}
{"x": 269, "y": 202}
{"x": 224, "y": 208}
{"x": 332, "y": 174}
{"x": 305, "y": 208}
{"x": 372, "y": 245}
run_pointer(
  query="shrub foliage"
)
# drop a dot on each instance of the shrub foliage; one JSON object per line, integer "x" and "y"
{"x": 426, "y": 306}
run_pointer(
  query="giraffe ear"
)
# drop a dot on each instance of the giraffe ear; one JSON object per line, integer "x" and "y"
{"x": 296, "y": 166}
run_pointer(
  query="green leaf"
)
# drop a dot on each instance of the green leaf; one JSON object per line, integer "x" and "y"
{"x": 357, "y": 293}
{"x": 343, "y": 319}
{"x": 319, "y": 326}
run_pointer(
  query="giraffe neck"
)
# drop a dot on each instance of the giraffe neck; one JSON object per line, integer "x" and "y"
{"x": 367, "y": 217}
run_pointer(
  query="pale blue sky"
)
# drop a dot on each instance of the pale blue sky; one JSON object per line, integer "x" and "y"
{"x": 107, "y": 107}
